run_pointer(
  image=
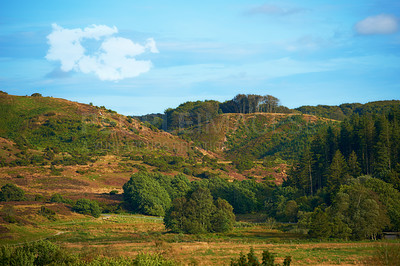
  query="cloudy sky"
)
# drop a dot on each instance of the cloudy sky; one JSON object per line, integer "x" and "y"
{"x": 139, "y": 57}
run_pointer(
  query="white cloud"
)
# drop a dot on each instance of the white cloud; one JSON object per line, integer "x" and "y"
{"x": 380, "y": 24}
{"x": 114, "y": 60}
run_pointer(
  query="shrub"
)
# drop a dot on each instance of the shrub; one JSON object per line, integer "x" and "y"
{"x": 37, "y": 253}
{"x": 268, "y": 259}
{"x": 57, "y": 198}
{"x": 49, "y": 214}
{"x": 113, "y": 192}
{"x": 86, "y": 206}
{"x": 36, "y": 95}
{"x": 10, "y": 192}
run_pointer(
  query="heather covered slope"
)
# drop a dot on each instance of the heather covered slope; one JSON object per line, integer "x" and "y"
{"x": 256, "y": 135}
{"x": 57, "y": 126}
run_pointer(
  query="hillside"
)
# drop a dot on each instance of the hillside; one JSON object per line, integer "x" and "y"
{"x": 343, "y": 111}
{"x": 257, "y": 135}
{"x": 70, "y": 128}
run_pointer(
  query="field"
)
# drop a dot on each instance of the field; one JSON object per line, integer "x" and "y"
{"x": 118, "y": 235}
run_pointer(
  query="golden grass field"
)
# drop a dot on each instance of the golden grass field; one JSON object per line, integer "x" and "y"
{"x": 118, "y": 235}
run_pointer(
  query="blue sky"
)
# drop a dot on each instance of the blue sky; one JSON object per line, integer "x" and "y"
{"x": 139, "y": 57}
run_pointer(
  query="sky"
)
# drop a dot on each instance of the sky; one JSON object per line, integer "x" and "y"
{"x": 140, "y": 57}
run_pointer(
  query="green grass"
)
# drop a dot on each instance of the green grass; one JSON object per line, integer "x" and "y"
{"x": 130, "y": 234}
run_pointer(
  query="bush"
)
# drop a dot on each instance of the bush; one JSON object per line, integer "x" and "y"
{"x": 57, "y": 198}
{"x": 86, "y": 206}
{"x": 268, "y": 259}
{"x": 38, "y": 253}
{"x": 10, "y": 192}
{"x": 49, "y": 214}
{"x": 113, "y": 192}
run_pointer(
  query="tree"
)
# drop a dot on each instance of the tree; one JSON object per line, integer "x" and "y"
{"x": 388, "y": 196}
{"x": 223, "y": 219}
{"x": 86, "y": 206}
{"x": 354, "y": 166}
{"x": 360, "y": 208}
{"x": 10, "y": 192}
{"x": 198, "y": 213}
{"x": 383, "y": 164}
{"x": 145, "y": 195}
{"x": 320, "y": 226}
{"x": 337, "y": 173}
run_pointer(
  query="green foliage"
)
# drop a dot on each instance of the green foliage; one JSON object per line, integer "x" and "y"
{"x": 56, "y": 197}
{"x": 198, "y": 213}
{"x": 145, "y": 195}
{"x": 346, "y": 110}
{"x": 88, "y": 207}
{"x": 361, "y": 210}
{"x": 49, "y": 214}
{"x": 388, "y": 196}
{"x": 243, "y": 164}
{"x": 268, "y": 259}
{"x": 37, "y": 253}
{"x": 320, "y": 226}
{"x": 9, "y": 214}
{"x": 10, "y": 192}
{"x": 164, "y": 163}
{"x": 191, "y": 113}
{"x": 113, "y": 192}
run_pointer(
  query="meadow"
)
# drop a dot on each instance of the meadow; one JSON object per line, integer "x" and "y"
{"x": 126, "y": 235}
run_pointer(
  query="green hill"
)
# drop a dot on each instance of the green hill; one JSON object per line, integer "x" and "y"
{"x": 56, "y": 126}
{"x": 256, "y": 135}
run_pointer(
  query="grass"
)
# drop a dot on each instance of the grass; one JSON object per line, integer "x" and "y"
{"x": 129, "y": 235}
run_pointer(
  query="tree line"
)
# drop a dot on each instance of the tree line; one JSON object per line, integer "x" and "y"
{"x": 189, "y": 114}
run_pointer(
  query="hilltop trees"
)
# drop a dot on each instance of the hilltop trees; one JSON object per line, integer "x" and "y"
{"x": 251, "y": 103}
{"x": 191, "y": 114}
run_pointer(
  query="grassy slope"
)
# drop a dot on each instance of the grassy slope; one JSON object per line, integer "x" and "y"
{"x": 40, "y": 122}
{"x": 256, "y": 135}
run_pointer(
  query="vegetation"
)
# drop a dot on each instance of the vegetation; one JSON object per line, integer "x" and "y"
{"x": 47, "y": 253}
{"x": 146, "y": 195}
{"x": 198, "y": 213}
{"x": 268, "y": 259}
{"x": 10, "y": 192}
{"x": 308, "y": 186}
{"x": 86, "y": 206}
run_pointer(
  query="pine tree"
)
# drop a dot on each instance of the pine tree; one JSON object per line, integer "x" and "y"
{"x": 383, "y": 164}
{"x": 354, "y": 166}
{"x": 338, "y": 174}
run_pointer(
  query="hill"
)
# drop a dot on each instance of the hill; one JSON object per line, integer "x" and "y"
{"x": 346, "y": 110}
{"x": 60, "y": 127}
{"x": 256, "y": 135}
